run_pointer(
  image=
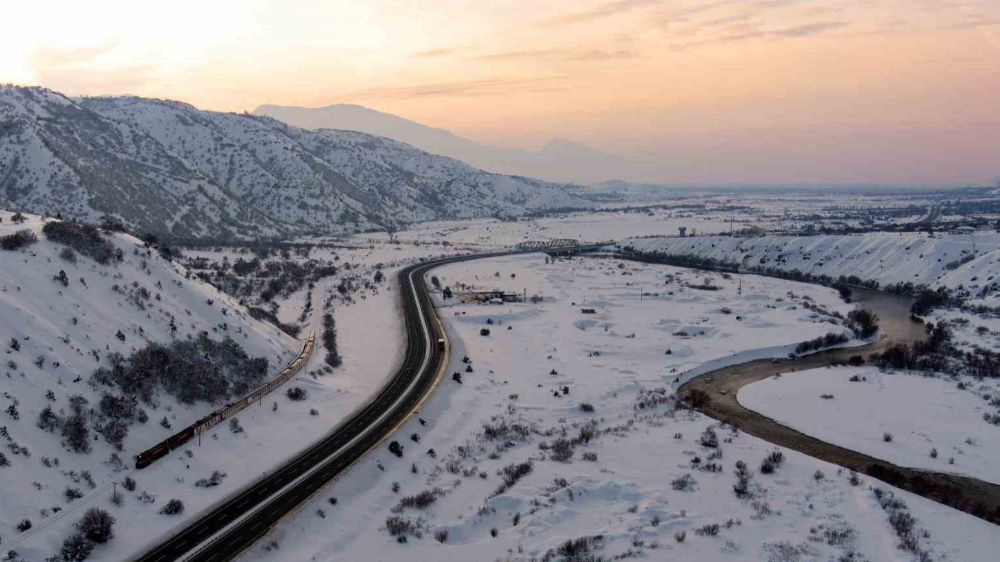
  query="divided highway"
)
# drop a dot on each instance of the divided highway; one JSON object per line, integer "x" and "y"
{"x": 224, "y": 531}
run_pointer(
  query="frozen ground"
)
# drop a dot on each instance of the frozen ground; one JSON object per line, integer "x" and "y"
{"x": 587, "y": 227}
{"x": 563, "y": 427}
{"x": 921, "y": 413}
{"x": 919, "y": 258}
{"x": 39, "y": 312}
{"x": 969, "y": 331}
{"x": 63, "y": 333}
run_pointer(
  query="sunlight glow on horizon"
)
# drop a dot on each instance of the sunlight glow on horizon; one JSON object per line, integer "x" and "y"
{"x": 671, "y": 81}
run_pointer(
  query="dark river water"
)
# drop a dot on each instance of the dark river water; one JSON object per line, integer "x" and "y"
{"x": 893, "y": 312}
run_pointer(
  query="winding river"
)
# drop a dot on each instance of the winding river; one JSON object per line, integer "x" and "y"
{"x": 718, "y": 390}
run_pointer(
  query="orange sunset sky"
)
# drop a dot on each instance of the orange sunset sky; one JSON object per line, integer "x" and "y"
{"x": 772, "y": 91}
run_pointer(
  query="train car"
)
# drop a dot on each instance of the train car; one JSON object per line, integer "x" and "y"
{"x": 161, "y": 449}
{"x": 181, "y": 437}
{"x": 146, "y": 458}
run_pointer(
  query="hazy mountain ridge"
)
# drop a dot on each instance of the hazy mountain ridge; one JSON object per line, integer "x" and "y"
{"x": 559, "y": 160}
{"x": 167, "y": 167}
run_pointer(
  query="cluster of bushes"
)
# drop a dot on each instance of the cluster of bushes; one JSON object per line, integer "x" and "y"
{"x": 296, "y": 394}
{"x": 561, "y": 450}
{"x": 822, "y": 342}
{"x": 742, "y": 487}
{"x": 189, "y": 370}
{"x": 112, "y": 417}
{"x": 511, "y": 474}
{"x": 938, "y": 353}
{"x": 96, "y": 527}
{"x": 771, "y": 462}
{"x": 83, "y": 238}
{"x": 694, "y": 261}
{"x": 269, "y": 279}
{"x": 268, "y": 316}
{"x": 401, "y": 527}
{"x": 580, "y": 549}
{"x": 684, "y": 483}
{"x": 500, "y": 430}
{"x": 212, "y": 481}
{"x": 173, "y": 507}
{"x": 18, "y": 240}
{"x": 418, "y": 501}
{"x": 74, "y": 428}
{"x": 902, "y": 523}
{"x": 863, "y": 323}
{"x": 329, "y": 338}
{"x": 928, "y": 299}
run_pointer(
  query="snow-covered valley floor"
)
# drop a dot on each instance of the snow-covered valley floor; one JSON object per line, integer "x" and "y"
{"x": 559, "y": 437}
{"x": 933, "y": 423}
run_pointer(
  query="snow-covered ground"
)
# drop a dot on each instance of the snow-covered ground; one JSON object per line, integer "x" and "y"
{"x": 934, "y": 260}
{"x": 39, "y": 312}
{"x": 921, "y": 413}
{"x": 63, "y": 333}
{"x": 485, "y": 459}
{"x": 587, "y": 227}
{"x": 969, "y": 331}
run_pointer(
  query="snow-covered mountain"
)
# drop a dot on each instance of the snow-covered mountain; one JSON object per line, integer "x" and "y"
{"x": 169, "y": 168}
{"x": 559, "y": 160}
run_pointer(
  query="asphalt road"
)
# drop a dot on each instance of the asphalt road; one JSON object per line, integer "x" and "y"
{"x": 224, "y": 531}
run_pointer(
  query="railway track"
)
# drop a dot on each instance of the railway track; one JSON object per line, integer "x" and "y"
{"x": 179, "y": 439}
{"x": 226, "y": 530}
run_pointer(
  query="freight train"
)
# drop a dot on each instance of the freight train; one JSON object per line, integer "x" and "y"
{"x": 160, "y": 450}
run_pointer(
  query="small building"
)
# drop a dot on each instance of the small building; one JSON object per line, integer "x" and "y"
{"x": 490, "y": 297}
{"x": 588, "y": 311}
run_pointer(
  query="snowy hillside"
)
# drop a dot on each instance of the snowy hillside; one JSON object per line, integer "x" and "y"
{"x": 888, "y": 258}
{"x": 169, "y": 168}
{"x": 67, "y": 312}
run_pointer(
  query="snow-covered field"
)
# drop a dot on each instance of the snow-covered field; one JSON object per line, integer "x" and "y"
{"x": 934, "y": 260}
{"x": 587, "y": 227}
{"x": 969, "y": 331}
{"x": 563, "y": 427}
{"x": 921, "y": 414}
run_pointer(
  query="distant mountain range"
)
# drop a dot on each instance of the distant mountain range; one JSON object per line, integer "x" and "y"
{"x": 559, "y": 160}
{"x": 171, "y": 169}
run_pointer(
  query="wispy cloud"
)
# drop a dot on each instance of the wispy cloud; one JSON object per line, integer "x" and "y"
{"x": 807, "y": 29}
{"x": 518, "y": 55}
{"x": 590, "y": 54}
{"x": 602, "y": 11}
{"x": 602, "y": 54}
{"x": 468, "y": 88}
{"x": 747, "y": 32}
{"x": 78, "y": 70}
{"x": 434, "y": 53}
